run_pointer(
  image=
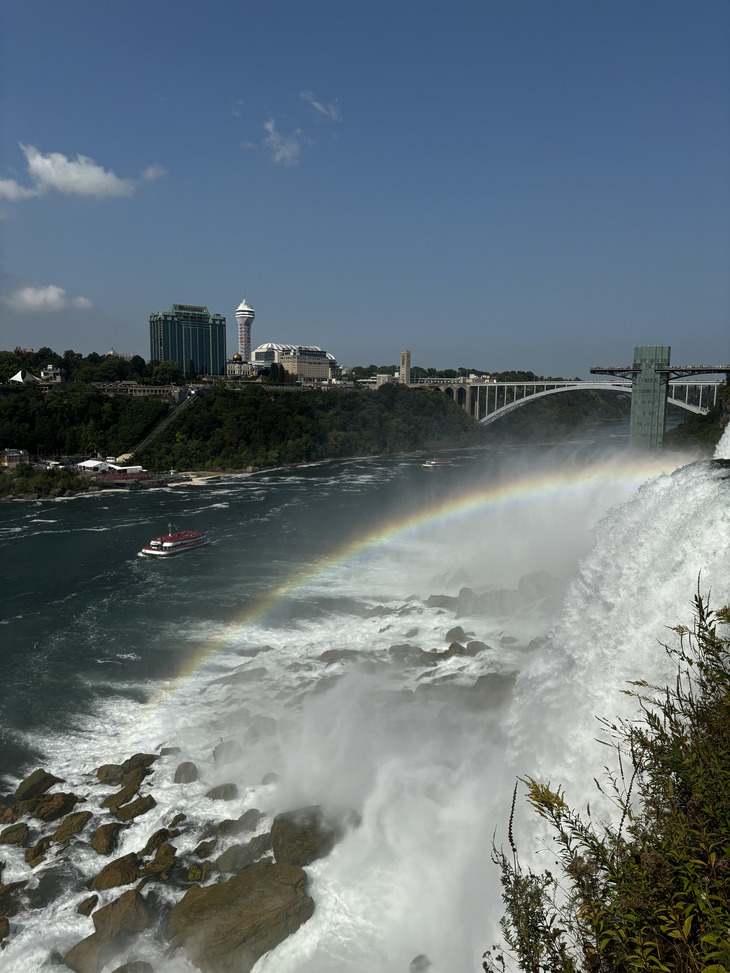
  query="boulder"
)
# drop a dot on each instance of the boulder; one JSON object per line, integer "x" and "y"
{"x": 15, "y": 834}
{"x": 201, "y": 872}
{"x": 223, "y": 792}
{"x": 9, "y": 903}
{"x": 9, "y": 811}
{"x": 54, "y": 806}
{"x": 227, "y": 752}
{"x": 474, "y": 647}
{"x": 234, "y": 859}
{"x": 114, "y": 773}
{"x": 37, "y": 853}
{"x": 134, "y": 966}
{"x": 122, "y": 871}
{"x": 141, "y": 806}
{"x": 302, "y": 836}
{"x": 455, "y": 634}
{"x": 86, "y": 907}
{"x": 130, "y": 786}
{"x": 4, "y": 928}
{"x": 115, "y": 924}
{"x": 71, "y": 826}
{"x": 227, "y": 927}
{"x": 262, "y": 726}
{"x": 205, "y": 848}
{"x": 158, "y": 838}
{"x": 186, "y": 773}
{"x": 161, "y": 865}
{"x": 36, "y": 784}
{"x": 106, "y": 838}
{"x": 170, "y": 751}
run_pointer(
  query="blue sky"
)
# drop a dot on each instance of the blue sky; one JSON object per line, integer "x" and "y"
{"x": 536, "y": 184}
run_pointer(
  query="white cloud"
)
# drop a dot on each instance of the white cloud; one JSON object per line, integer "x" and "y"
{"x": 329, "y": 111}
{"x": 10, "y": 189}
{"x": 74, "y": 177}
{"x": 154, "y": 172}
{"x": 79, "y": 177}
{"x": 285, "y": 148}
{"x": 43, "y": 299}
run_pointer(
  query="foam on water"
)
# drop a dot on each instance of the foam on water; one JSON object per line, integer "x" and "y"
{"x": 425, "y": 754}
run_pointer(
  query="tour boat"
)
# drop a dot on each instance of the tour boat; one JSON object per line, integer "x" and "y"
{"x": 174, "y": 543}
{"x": 431, "y": 463}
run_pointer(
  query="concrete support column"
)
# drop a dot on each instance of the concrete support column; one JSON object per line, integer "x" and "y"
{"x": 649, "y": 397}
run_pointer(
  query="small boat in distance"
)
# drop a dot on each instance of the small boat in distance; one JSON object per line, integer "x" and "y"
{"x": 436, "y": 462}
{"x": 176, "y": 542}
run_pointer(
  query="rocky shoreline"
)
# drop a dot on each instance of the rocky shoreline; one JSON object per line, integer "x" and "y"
{"x": 223, "y": 908}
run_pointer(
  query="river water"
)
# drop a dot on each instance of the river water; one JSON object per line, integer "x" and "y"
{"x": 291, "y": 614}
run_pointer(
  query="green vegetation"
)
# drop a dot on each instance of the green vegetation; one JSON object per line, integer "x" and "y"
{"x": 75, "y": 419}
{"x": 258, "y": 426}
{"x": 650, "y": 893}
{"x": 24, "y": 481}
{"x": 703, "y": 431}
{"x": 92, "y": 368}
{"x": 553, "y": 418}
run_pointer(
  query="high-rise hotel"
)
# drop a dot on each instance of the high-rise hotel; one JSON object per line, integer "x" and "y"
{"x": 191, "y": 336}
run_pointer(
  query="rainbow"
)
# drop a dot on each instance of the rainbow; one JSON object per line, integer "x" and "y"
{"x": 563, "y": 483}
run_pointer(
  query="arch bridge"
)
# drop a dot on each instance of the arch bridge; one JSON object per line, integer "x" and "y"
{"x": 651, "y": 382}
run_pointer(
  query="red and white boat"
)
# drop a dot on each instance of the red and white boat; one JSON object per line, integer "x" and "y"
{"x": 174, "y": 543}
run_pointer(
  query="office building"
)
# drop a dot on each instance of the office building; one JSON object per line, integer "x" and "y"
{"x": 191, "y": 336}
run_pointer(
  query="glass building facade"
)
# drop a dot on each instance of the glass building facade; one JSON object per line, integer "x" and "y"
{"x": 191, "y": 336}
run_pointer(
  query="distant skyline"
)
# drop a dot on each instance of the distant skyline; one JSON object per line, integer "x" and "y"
{"x": 497, "y": 185}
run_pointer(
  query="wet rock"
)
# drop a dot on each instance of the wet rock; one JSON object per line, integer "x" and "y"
{"x": 158, "y": 838}
{"x": 9, "y": 811}
{"x": 122, "y": 871}
{"x": 330, "y": 656}
{"x": 113, "y": 774}
{"x": 259, "y": 845}
{"x": 508, "y": 640}
{"x": 4, "y": 929}
{"x": 262, "y": 726}
{"x": 114, "y": 924}
{"x": 420, "y": 964}
{"x": 134, "y": 966}
{"x": 86, "y": 907}
{"x": 178, "y": 819}
{"x": 36, "y": 784}
{"x": 249, "y": 820}
{"x": 161, "y": 865}
{"x": 442, "y": 601}
{"x": 234, "y": 859}
{"x": 170, "y": 751}
{"x": 10, "y": 898}
{"x": 71, "y": 826}
{"x": 456, "y": 634}
{"x": 302, "y": 836}
{"x": 55, "y": 806}
{"x": 223, "y": 792}
{"x": 474, "y": 647}
{"x": 205, "y": 848}
{"x": 15, "y": 834}
{"x": 270, "y": 778}
{"x": 230, "y": 925}
{"x": 408, "y": 654}
{"x": 106, "y": 838}
{"x": 131, "y": 782}
{"x": 227, "y": 752}
{"x": 136, "y": 808}
{"x": 37, "y": 853}
{"x": 201, "y": 872}
{"x": 186, "y": 773}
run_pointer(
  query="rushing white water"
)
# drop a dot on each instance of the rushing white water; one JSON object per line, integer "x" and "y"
{"x": 423, "y": 752}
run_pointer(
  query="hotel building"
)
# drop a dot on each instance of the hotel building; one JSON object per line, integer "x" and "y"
{"x": 191, "y": 336}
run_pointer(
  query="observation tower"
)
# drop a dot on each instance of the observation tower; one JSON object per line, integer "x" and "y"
{"x": 244, "y": 315}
